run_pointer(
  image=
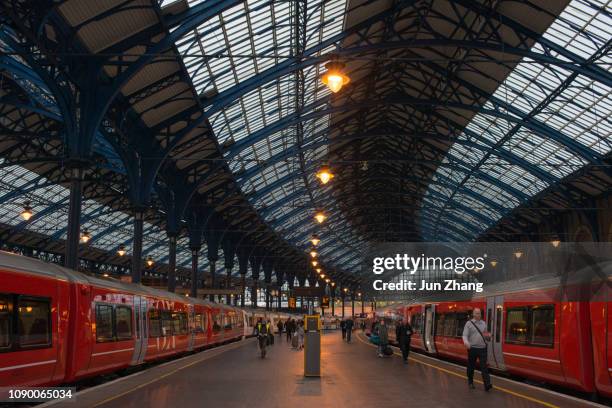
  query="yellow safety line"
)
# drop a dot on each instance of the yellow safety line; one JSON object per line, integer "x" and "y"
{"x": 165, "y": 375}
{"x": 497, "y": 387}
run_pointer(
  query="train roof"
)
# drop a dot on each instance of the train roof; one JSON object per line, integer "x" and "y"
{"x": 41, "y": 268}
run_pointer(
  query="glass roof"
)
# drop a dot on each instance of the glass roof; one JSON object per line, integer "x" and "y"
{"x": 258, "y": 35}
{"x": 578, "y": 111}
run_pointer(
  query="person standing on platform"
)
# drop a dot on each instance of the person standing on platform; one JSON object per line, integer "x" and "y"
{"x": 261, "y": 332}
{"x": 383, "y": 337}
{"x": 289, "y": 329}
{"x": 270, "y": 334}
{"x": 343, "y": 328}
{"x": 403, "y": 335}
{"x": 475, "y": 338}
{"x": 279, "y": 325}
{"x": 348, "y": 326}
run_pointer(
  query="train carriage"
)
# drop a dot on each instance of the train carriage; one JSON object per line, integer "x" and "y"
{"x": 59, "y": 326}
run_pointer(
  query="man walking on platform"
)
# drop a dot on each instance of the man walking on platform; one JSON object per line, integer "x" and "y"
{"x": 403, "y": 335}
{"x": 343, "y": 328}
{"x": 475, "y": 338}
{"x": 348, "y": 326}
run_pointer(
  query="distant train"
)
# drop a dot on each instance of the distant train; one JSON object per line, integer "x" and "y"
{"x": 60, "y": 326}
{"x": 534, "y": 335}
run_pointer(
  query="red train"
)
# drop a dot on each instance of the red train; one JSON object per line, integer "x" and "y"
{"x": 59, "y": 326}
{"x": 534, "y": 335}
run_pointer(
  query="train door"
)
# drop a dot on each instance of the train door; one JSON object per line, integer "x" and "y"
{"x": 191, "y": 325}
{"x": 495, "y": 326}
{"x": 428, "y": 332}
{"x": 140, "y": 317}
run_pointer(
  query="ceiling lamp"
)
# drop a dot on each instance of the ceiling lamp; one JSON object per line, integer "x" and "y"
{"x": 518, "y": 254}
{"x": 494, "y": 263}
{"x": 345, "y": 290}
{"x": 333, "y": 283}
{"x": 313, "y": 253}
{"x": 335, "y": 78}
{"x": 315, "y": 263}
{"x": 319, "y": 270}
{"x": 327, "y": 280}
{"x": 314, "y": 239}
{"x": 320, "y": 217}
{"x": 324, "y": 175}
{"x": 150, "y": 261}
{"x": 555, "y": 243}
{"x": 121, "y": 250}
{"x": 27, "y": 213}
{"x": 85, "y": 236}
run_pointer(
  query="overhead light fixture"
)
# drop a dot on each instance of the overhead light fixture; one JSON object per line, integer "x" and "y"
{"x": 335, "y": 78}
{"x": 493, "y": 263}
{"x": 333, "y": 283}
{"x": 149, "y": 261}
{"x": 319, "y": 270}
{"x": 322, "y": 276}
{"x": 121, "y": 250}
{"x": 27, "y": 213}
{"x": 315, "y": 263}
{"x": 518, "y": 254}
{"x": 320, "y": 217}
{"x": 314, "y": 239}
{"x": 345, "y": 290}
{"x": 359, "y": 294}
{"x": 105, "y": 275}
{"x": 85, "y": 236}
{"x": 555, "y": 243}
{"x": 327, "y": 280}
{"x": 324, "y": 175}
{"x": 313, "y": 253}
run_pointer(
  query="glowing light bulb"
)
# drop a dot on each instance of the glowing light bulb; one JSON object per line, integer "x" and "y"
{"x": 315, "y": 240}
{"x": 27, "y": 213}
{"x": 320, "y": 217}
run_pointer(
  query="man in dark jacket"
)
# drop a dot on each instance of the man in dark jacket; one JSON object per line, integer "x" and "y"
{"x": 348, "y": 327}
{"x": 403, "y": 334}
{"x": 343, "y": 328}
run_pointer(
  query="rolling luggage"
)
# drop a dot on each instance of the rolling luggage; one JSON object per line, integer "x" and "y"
{"x": 294, "y": 341}
{"x": 388, "y": 351}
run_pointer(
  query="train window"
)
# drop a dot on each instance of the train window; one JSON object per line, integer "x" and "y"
{"x": 199, "y": 323}
{"x": 462, "y": 318}
{"x": 535, "y": 326}
{"x": 439, "y": 327}
{"x": 516, "y": 325}
{"x": 216, "y": 326}
{"x": 179, "y": 321}
{"x": 123, "y": 322}
{"x": 166, "y": 323}
{"x": 6, "y": 309}
{"x": 104, "y": 323}
{"x": 33, "y": 322}
{"x": 154, "y": 323}
{"x": 542, "y": 325}
{"x": 451, "y": 325}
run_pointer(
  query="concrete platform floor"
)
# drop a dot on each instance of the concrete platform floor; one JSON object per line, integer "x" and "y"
{"x": 352, "y": 376}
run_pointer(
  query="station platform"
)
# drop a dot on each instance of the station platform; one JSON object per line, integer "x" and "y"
{"x": 234, "y": 375}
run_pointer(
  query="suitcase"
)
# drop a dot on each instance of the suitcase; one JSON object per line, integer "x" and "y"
{"x": 294, "y": 342}
{"x": 388, "y": 351}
